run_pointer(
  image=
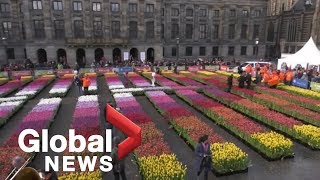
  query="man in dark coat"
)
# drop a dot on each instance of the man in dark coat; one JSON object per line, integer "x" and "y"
{"x": 203, "y": 157}
{"x": 241, "y": 80}
{"x": 118, "y": 165}
{"x": 248, "y": 80}
{"x": 230, "y": 82}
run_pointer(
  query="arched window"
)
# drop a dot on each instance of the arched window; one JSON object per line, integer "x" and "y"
{"x": 270, "y": 36}
{"x": 292, "y": 30}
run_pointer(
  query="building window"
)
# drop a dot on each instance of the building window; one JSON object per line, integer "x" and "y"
{"x": 133, "y": 7}
{"x": 203, "y": 13}
{"x": 243, "y": 50}
{"x": 245, "y": 13}
{"x": 36, "y": 4}
{"x": 96, "y": 6}
{"x": 150, "y": 30}
{"x": 232, "y": 13}
{"x": 7, "y": 29}
{"x": 231, "y": 31}
{"x": 116, "y": 29}
{"x": 255, "y": 50}
{"x": 231, "y": 51}
{"x": 97, "y": 29}
{"x": 215, "y": 51}
{"x": 39, "y": 29}
{"x": 23, "y": 31}
{"x": 189, "y": 31}
{"x": 133, "y": 30}
{"x": 115, "y": 7}
{"x": 203, "y": 31}
{"x": 256, "y": 29}
{"x": 188, "y": 51}
{"x": 162, "y": 11}
{"x": 174, "y": 12}
{"x": 174, "y": 31}
{"x": 189, "y": 13}
{"x": 162, "y": 31}
{"x": 150, "y": 8}
{"x": 57, "y": 5}
{"x": 4, "y": 7}
{"x": 292, "y": 30}
{"x": 78, "y": 29}
{"x": 77, "y": 6}
{"x": 202, "y": 51}
{"x": 59, "y": 29}
{"x": 257, "y": 13}
{"x": 216, "y": 13}
{"x": 10, "y": 53}
{"x": 215, "y": 31}
{"x": 174, "y": 51}
{"x": 244, "y": 31}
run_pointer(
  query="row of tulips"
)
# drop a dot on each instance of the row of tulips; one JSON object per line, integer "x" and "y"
{"x": 162, "y": 81}
{"x": 182, "y": 79}
{"x": 7, "y": 109}
{"x": 13, "y": 85}
{"x": 85, "y": 122}
{"x": 280, "y": 122}
{"x": 14, "y": 98}
{"x": 93, "y": 88}
{"x": 113, "y": 81}
{"x": 137, "y": 80}
{"x": 3, "y": 80}
{"x": 155, "y": 158}
{"x": 61, "y": 87}
{"x": 226, "y": 157}
{"x": 140, "y": 91}
{"x": 35, "y": 87}
{"x": 270, "y": 144}
{"x": 38, "y": 118}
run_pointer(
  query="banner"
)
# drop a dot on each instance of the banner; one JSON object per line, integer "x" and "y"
{"x": 212, "y": 68}
{"x": 143, "y": 56}
{"x": 194, "y": 68}
{"x": 315, "y": 86}
{"x": 300, "y": 83}
{"x": 87, "y": 70}
{"x": 224, "y": 68}
{"x": 125, "y": 69}
{"x": 104, "y": 70}
{"x": 181, "y": 68}
{"x": 16, "y": 74}
{"x": 43, "y": 72}
{"x": 126, "y": 56}
{"x": 142, "y": 68}
{"x": 4, "y": 74}
{"x": 61, "y": 72}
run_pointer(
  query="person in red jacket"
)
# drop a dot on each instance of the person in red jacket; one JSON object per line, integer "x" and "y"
{"x": 86, "y": 81}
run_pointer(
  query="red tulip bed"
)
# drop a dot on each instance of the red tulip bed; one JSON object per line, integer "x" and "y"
{"x": 153, "y": 146}
{"x": 227, "y": 157}
{"x": 12, "y": 86}
{"x": 137, "y": 80}
{"x": 38, "y": 118}
{"x": 183, "y": 80}
{"x": 273, "y": 146}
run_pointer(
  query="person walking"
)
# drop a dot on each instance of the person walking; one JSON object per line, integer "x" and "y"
{"x": 230, "y": 82}
{"x": 248, "y": 80}
{"x": 241, "y": 80}
{"x": 85, "y": 84}
{"x": 78, "y": 82}
{"x": 118, "y": 165}
{"x": 203, "y": 157}
{"x": 153, "y": 78}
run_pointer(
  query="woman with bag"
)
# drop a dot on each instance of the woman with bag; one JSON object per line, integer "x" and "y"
{"x": 203, "y": 157}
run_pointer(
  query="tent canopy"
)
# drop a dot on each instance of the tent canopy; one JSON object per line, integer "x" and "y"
{"x": 308, "y": 54}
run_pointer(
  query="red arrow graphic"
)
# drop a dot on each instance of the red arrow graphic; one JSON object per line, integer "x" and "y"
{"x": 126, "y": 126}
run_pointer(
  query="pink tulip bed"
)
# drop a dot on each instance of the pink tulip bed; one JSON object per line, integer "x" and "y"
{"x": 183, "y": 80}
{"x": 40, "y": 117}
{"x": 93, "y": 88}
{"x": 137, "y": 80}
{"x": 61, "y": 87}
{"x": 160, "y": 80}
{"x": 12, "y": 86}
{"x": 190, "y": 127}
{"x": 113, "y": 81}
{"x": 153, "y": 144}
{"x": 32, "y": 89}
{"x": 8, "y": 109}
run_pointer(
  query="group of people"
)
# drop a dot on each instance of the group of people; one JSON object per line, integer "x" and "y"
{"x": 82, "y": 83}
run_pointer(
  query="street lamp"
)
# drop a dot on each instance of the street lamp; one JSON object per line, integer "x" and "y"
{"x": 257, "y": 43}
{"x": 177, "y": 51}
{"x": 4, "y": 39}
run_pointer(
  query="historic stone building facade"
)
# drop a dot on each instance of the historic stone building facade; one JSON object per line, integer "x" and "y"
{"x": 85, "y": 30}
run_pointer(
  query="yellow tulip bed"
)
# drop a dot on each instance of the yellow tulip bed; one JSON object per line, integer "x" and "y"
{"x": 3, "y": 80}
{"x": 299, "y": 91}
{"x": 206, "y": 73}
{"x": 310, "y": 134}
{"x": 96, "y": 175}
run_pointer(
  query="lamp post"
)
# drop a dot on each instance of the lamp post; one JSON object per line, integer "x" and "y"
{"x": 4, "y": 40}
{"x": 257, "y": 43}
{"x": 177, "y": 52}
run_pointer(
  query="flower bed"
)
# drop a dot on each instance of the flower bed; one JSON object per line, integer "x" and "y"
{"x": 155, "y": 158}
{"x": 3, "y": 81}
{"x": 113, "y": 81}
{"x": 183, "y": 80}
{"x": 206, "y": 73}
{"x": 32, "y": 89}
{"x": 14, "y": 98}
{"x": 276, "y": 120}
{"x": 162, "y": 81}
{"x": 61, "y": 87}
{"x": 93, "y": 88}
{"x": 38, "y": 118}
{"x": 227, "y": 157}
{"x": 137, "y": 80}
{"x": 7, "y": 109}
{"x": 309, "y": 103}
{"x": 272, "y": 145}
{"x": 300, "y": 91}
{"x": 12, "y": 86}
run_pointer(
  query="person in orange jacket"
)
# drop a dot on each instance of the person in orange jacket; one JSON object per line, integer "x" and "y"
{"x": 272, "y": 83}
{"x": 266, "y": 78}
{"x": 86, "y": 81}
{"x": 281, "y": 76}
{"x": 288, "y": 77}
{"x": 249, "y": 69}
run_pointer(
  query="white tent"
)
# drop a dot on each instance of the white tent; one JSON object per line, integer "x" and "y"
{"x": 308, "y": 54}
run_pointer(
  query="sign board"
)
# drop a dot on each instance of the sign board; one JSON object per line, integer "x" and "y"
{"x": 4, "y": 74}
{"x": 126, "y": 56}
{"x": 181, "y": 68}
{"x": 43, "y": 72}
{"x": 104, "y": 70}
{"x": 61, "y": 72}
{"x": 86, "y": 70}
{"x": 142, "y": 68}
{"x": 143, "y": 56}
{"x": 300, "y": 83}
{"x": 194, "y": 68}
{"x": 212, "y": 68}
{"x": 16, "y": 74}
{"x": 115, "y": 70}
{"x": 125, "y": 69}
{"x": 224, "y": 68}
{"x": 315, "y": 86}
